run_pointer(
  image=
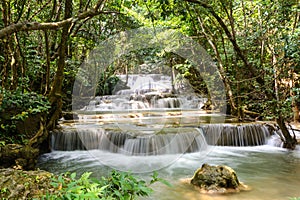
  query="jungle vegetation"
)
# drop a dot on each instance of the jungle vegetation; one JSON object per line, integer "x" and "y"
{"x": 255, "y": 45}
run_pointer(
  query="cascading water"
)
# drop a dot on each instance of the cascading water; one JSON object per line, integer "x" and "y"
{"x": 87, "y": 139}
{"x": 271, "y": 172}
{"x": 145, "y": 129}
{"x": 191, "y": 140}
{"x": 236, "y": 135}
{"x": 146, "y": 92}
{"x": 183, "y": 140}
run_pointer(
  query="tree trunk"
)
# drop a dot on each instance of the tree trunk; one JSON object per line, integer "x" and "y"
{"x": 5, "y": 65}
{"x": 55, "y": 95}
{"x": 210, "y": 38}
{"x": 172, "y": 75}
{"x": 41, "y": 139}
{"x": 27, "y": 156}
{"x": 47, "y": 76}
{"x": 30, "y": 26}
{"x": 289, "y": 141}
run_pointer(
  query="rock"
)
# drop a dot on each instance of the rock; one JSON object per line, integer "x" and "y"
{"x": 217, "y": 179}
{"x": 19, "y": 184}
{"x": 18, "y": 156}
{"x": 70, "y": 115}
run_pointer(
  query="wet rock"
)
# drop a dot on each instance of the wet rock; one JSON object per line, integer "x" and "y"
{"x": 217, "y": 179}
{"x": 70, "y": 115}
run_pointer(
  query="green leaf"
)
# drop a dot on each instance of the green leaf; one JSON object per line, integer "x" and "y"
{"x": 72, "y": 176}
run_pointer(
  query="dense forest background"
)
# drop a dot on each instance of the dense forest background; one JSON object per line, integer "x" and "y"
{"x": 255, "y": 45}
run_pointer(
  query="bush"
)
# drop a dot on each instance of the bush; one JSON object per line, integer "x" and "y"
{"x": 118, "y": 185}
{"x": 16, "y": 106}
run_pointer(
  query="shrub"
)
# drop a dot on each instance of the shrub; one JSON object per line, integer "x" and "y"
{"x": 16, "y": 106}
{"x": 118, "y": 185}
{"x": 68, "y": 187}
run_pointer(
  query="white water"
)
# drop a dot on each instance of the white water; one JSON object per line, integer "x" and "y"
{"x": 179, "y": 141}
{"x": 146, "y": 91}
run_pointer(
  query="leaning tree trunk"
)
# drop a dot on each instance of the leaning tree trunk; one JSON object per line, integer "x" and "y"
{"x": 289, "y": 142}
{"x": 212, "y": 42}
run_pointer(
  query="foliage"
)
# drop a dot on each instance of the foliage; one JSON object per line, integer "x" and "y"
{"x": 16, "y": 106}
{"x": 68, "y": 187}
{"x": 118, "y": 185}
{"x": 254, "y": 43}
{"x": 107, "y": 82}
{"x": 155, "y": 178}
{"x": 121, "y": 185}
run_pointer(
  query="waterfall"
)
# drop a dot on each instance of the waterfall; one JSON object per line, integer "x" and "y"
{"x": 168, "y": 103}
{"x": 118, "y": 142}
{"x": 87, "y": 139}
{"x": 236, "y": 135}
{"x": 169, "y": 142}
{"x": 143, "y": 92}
{"x": 166, "y": 144}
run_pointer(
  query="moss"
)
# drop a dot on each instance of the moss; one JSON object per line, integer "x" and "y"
{"x": 216, "y": 179}
{"x": 18, "y": 184}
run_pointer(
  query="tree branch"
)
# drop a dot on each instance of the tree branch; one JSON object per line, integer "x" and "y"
{"x": 238, "y": 50}
{"x": 30, "y": 26}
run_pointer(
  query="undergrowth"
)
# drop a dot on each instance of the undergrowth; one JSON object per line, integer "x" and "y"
{"x": 118, "y": 185}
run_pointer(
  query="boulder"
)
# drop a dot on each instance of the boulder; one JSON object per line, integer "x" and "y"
{"x": 217, "y": 179}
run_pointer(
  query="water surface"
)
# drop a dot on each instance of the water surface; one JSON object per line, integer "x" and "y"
{"x": 271, "y": 172}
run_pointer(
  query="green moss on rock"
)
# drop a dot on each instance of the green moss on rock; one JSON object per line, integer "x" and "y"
{"x": 19, "y": 184}
{"x": 217, "y": 179}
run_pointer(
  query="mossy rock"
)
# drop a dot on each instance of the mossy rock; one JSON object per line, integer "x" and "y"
{"x": 217, "y": 179}
{"x": 18, "y": 156}
{"x": 18, "y": 184}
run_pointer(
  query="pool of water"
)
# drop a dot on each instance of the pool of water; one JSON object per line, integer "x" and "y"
{"x": 270, "y": 172}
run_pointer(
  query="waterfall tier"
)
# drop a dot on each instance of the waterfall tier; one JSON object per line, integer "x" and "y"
{"x": 181, "y": 141}
{"x": 119, "y": 142}
{"x": 236, "y": 135}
